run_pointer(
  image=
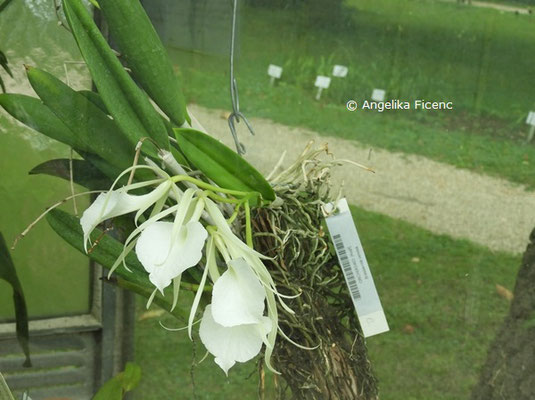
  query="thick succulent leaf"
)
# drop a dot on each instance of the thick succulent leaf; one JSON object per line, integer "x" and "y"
{"x": 102, "y": 165}
{"x": 33, "y": 113}
{"x": 94, "y": 98}
{"x": 4, "y": 4}
{"x": 145, "y": 55}
{"x": 105, "y": 253}
{"x": 83, "y": 172}
{"x": 92, "y": 129}
{"x": 146, "y": 292}
{"x": 8, "y": 273}
{"x": 126, "y": 102}
{"x": 120, "y": 384}
{"x": 222, "y": 165}
{"x": 5, "y": 64}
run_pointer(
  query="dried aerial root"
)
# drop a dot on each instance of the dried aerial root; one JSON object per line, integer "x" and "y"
{"x": 303, "y": 262}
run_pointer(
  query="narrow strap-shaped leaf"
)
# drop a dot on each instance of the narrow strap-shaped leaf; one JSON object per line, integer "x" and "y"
{"x": 105, "y": 253}
{"x": 92, "y": 129}
{"x": 5, "y": 64}
{"x": 120, "y": 384}
{"x": 33, "y": 113}
{"x": 145, "y": 55}
{"x": 9, "y": 274}
{"x": 221, "y": 164}
{"x": 83, "y": 172}
{"x": 126, "y": 102}
{"x": 113, "y": 172}
{"x": 4, "y": 4}
{"x": 94, "y": 98}
{"x": 102, "y": 165}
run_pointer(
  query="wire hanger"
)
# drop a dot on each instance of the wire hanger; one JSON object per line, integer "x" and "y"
{"x": 235, "y": 115}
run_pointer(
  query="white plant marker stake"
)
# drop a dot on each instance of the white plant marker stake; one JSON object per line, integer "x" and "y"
{"x": 340, "y": 71}
{"x": 275, "y": 72}
{"x": 322, "y": 82}
{"x": 531, "y": 121}
{"x": 355, "y": 267}
{"x": 378, "y": 95}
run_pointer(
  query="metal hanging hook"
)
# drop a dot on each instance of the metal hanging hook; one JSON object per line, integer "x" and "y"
{"x": 235, "y": 115}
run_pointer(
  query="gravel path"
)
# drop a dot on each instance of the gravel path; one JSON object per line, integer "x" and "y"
{"x": 489, "y": 211}
{"x": 496, "y": 6}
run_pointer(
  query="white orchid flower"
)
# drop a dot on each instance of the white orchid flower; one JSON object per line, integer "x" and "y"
{"x": 119, "y": 202}
{"x": 167, "y": 249}
{"x": 231, "y": 248}
{"x": 233, "y": 327}
{"x": 164, "y": 258}
{"x": 238, "y": 296}
{"x": 239, "y": 343}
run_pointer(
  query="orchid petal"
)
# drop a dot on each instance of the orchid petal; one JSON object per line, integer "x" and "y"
{"x": 176, "y": 290}
{"x": 225, "y": 231}
{"x": 230, "y": 344}
{"x": 238, "y": 296}
{"x": 118, "y": 202}
{"x": 210, "y": 250}
{"x": 165, "y": 259}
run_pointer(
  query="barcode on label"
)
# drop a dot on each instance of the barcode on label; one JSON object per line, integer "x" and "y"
{"x": 346, "y": 267}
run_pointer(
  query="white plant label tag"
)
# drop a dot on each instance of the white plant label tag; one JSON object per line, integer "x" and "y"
{"x": 340, "y": 71}
{"x": 378, "y": 95}
{"x": 322, "y": 82}
{"x": 531, "y": 118}
{"x": 274, "y": 71}
{"x": 355, "y": 268}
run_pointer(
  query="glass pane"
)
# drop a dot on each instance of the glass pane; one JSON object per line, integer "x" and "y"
{"x": 54, "y": 276}
{"x": 447, "y": 216}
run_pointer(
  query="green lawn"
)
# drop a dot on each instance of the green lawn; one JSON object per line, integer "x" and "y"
{"x": 448, "y": 297}
{"x": 480, "y": 59}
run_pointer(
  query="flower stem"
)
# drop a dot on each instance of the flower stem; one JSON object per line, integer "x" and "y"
{"x": 248, "y": 230}
{"x": 204, "y": 185}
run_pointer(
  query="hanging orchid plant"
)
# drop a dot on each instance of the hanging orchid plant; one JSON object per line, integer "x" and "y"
{"x": 194, "y": 214}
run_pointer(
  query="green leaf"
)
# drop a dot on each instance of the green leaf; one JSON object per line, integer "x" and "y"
{"x": 91, "y": 129}
{"x": 132, "y": 376}
{"x": 129, "y": 106}
{"x": 4, "y": 63}
{"x": 4, "y": 4}
{"x": 8, "y": 273}
{"x": 105, "y": 253}
{"x": 111, "y": 390}
{"x": 145, "y": 55}
{"x": 33, "y": 113}
{"x": 222, "y": 165}
{"x": 102, "y": 165}
{"x": 94, "y": 98}
{"x": 83, "y": 172}
{"x": 120, "y": 384}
